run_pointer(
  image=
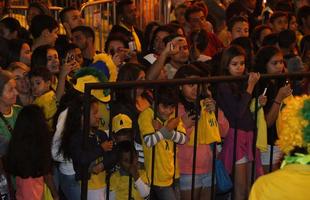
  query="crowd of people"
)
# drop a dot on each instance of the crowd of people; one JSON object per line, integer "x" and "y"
{"x": 141, "y": 141}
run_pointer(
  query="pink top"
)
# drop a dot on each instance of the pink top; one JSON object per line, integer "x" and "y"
{"x": 185, "y": 152}
{"x": 29, "y": 188}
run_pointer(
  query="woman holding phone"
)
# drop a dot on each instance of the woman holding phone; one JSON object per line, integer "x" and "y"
{"x": 269, "y": 60}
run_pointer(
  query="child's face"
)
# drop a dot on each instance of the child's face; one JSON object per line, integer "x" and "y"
{"x": 126, "y": 161}
{"x": 190, "y": 90}
{"x": 52, "y": 61}
{"x": 280, "y": 24}
{"x": 165, "y": 111}
{"x": 121, "y": 138}
{"x": 240, "y": 29}
{"x": 39, "y": 86}
{"x": 236, "y": 66}
{"x": 275, "y": 64}
{"x": 94, "y": 115}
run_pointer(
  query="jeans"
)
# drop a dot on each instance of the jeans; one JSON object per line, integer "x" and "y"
{"x": 70, "y": 187}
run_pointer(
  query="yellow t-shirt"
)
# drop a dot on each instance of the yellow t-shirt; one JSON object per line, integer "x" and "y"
{"x": 164, "y": 155}
{"x": 120, "y": 184}
{"x": 47, "y": 102}
{"x": 97, "y": 181}
{"x": 290, "y": 182}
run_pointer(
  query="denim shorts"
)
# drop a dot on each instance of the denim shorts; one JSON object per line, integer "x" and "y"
{"x": 201, "y": 180}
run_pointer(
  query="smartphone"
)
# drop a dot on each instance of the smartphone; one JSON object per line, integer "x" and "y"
{"x": 265, "y": 90}
{"x": 70, "y": 57}
{"x": 132, "y": 46}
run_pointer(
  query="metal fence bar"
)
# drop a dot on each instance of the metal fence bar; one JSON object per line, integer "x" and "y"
{"x": 86, "y": 129}
{"x": 213, "y": 79}
{"x": 153, "y": 147}
{"x": 155, "y": 84}
{"x": 254, "y": 135}
{"x": 271, "y": 158}
{"x": 197, "y": 102}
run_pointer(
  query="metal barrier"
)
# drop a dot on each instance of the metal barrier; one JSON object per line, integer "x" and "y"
{"x": 101, "y": 15}
{"x": 177, "y": 82}
{"x": 20, "y": 13}
{"x": 68, "y": 3}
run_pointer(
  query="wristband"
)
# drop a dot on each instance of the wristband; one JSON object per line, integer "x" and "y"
{"x": 276, "y": 102}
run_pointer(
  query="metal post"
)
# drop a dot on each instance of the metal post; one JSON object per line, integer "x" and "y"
{"x": 100, "y": 24}
{"x": 197, "y": 104}
{"x": 153, "y": 148}
{"x": 86, "y": 129}
{"x": 271, "y": 158}
{"x": 175, "y": 145}
{"x": 254, "y": 136}
{"x": 114, "y": 13}
{"x": 234, "y": 160}
{"x": 213, "y": 191}
{"x": 108, "y": 173}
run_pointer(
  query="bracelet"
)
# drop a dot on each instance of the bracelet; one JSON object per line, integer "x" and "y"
{"x": 276, "y": 102}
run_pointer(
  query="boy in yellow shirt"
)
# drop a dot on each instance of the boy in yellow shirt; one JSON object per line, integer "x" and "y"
{"x": 160, "y": 135}
{"x": 120, "y": 180}
{"x": 45, "y": 97}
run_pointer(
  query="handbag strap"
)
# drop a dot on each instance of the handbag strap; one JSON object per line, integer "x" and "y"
{"x": 8, "y": 126}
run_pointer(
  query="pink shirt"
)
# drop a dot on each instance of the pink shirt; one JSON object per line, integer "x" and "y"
{"x": 29, "y": 188}
{"x": 185, "y": 152}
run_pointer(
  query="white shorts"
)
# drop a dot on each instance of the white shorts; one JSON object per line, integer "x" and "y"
{"x": 242, "y": 160}
{"x": 277, "y": 156}
{"x": 99, "y": 194}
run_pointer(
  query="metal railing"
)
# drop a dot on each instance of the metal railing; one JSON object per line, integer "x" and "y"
{"x": 177, "y": 82}
{"x": 20, "y": 13}
{"x": 101, "y": 15}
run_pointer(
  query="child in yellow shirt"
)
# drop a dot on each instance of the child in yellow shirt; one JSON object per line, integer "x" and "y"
{"x": 45, "y": 97}
{"x": 120, "y": 180}
{"x": 160, "y": 135}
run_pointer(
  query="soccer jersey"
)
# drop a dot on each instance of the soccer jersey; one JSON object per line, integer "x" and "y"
{"x": 47, "y": 102}
{"x": 119, "y": 184}
{"x": 97, "y": 181}
{"x": 164, "y": 168}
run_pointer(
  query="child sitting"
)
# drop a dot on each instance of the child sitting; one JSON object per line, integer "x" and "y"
{"x": 128, "y": 163}
{"x": 44, "y": 97}
{"x": 160, "y": 134}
